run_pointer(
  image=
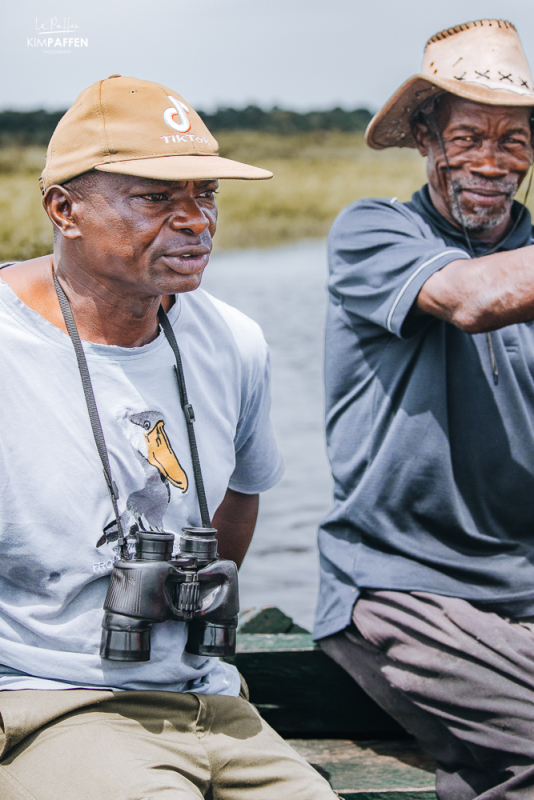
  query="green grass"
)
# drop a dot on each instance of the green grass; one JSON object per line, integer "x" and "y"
{"x": 315, "y": 176}
{"x": 25, "y": 231}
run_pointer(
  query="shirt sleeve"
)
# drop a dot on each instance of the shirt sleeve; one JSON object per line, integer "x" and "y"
{"x": 380, "y": 254}
{"x": 259, "y": 462}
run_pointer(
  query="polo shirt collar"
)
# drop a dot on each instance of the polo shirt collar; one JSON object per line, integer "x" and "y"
{"x": 520, "y": 236}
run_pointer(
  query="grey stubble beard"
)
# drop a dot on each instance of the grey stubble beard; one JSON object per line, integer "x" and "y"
{"x": 481, "y": 218}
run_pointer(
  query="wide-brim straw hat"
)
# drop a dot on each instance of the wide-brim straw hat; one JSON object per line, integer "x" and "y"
{"x": 481, "y": 61}
{"x": 133, "y": 127}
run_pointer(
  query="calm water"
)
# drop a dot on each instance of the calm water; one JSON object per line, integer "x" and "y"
{"x": 283, "y": 289}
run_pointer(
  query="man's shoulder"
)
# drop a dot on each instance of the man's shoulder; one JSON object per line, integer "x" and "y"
{"x": 377, "y": 223}
{"x": 376, "y": 212}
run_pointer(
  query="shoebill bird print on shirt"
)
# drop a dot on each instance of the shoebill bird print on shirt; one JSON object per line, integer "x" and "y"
{"x": 146, "y": 506}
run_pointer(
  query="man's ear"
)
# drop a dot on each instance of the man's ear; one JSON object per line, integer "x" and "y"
{"x": 60, "y": 205}
{"x": 421, "y": 137}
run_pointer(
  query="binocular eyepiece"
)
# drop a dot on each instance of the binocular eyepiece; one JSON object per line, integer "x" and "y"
{"x": 195, "y": 587}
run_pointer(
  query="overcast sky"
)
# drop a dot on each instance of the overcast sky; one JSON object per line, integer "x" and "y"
{"x": 299, "y": 54}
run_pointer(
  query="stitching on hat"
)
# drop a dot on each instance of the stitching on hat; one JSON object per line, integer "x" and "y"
{"x": 100, "y": 117}
{"x": 51, "y": 145}
{"x": 483, "y": 74}
{"x": 505, "y": 77}
{"x": 466, "y": 26}
{"x": 100, "y": 111}
{"x": 162, "y": 155}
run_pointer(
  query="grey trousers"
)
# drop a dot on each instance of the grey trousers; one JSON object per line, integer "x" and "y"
{"x": 461, "y": 680}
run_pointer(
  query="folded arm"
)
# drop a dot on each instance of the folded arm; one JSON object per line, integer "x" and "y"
{"x": 482, "y": 294}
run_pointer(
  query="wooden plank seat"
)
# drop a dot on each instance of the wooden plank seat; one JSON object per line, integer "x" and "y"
{"x": 390, "y": 770}
{"x": 325, "y": 715}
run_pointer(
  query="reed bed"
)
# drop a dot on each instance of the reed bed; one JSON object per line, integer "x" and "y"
{"x": 315, "y": 176}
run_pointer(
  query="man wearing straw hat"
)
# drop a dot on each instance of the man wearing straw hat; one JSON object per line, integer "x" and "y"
{"x": 101, "y": 451}
{"x": 427, "y": 586}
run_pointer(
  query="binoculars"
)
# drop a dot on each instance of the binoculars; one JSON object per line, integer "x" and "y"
{"x": 195, "y": 587}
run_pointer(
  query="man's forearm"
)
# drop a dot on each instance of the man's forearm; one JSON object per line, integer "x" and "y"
{"x": 484, "y": 293}
{"x": 235, "y": 520}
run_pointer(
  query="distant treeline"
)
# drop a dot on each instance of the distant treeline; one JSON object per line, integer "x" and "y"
{"x": 36, "y": 127}
{"x": 278, "y": 120}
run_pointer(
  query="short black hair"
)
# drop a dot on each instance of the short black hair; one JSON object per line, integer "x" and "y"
{"x": 82, "y": 184}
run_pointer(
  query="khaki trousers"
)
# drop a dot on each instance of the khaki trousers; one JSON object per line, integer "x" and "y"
{"x": 139, "y": 745}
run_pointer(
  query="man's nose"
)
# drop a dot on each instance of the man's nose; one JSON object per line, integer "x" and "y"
{"x": 188, "y": 215}
{"x": 488, "y": 162}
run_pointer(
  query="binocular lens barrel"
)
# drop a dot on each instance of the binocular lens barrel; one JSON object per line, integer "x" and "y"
{"x": 211, "y": 638}
{"x": 199, "y": 542}
{"x": 154, "y": 546}
{"x": 125, "y": 638}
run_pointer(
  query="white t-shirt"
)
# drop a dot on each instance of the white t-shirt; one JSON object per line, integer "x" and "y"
{"x": 54, "y": 504}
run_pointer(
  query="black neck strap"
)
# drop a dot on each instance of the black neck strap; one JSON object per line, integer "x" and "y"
{"x": 189, "y": 415}
{"x": 96, "y": 425}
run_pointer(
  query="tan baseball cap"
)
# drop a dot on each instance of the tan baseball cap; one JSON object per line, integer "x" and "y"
{"x": 140, "y": 128}
{"x": 481, "y": 61}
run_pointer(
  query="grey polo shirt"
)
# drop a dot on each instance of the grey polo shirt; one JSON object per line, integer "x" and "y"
{"x": 433, "y": 463}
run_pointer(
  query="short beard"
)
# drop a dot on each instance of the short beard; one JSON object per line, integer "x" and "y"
{"x": 481, "y": 218}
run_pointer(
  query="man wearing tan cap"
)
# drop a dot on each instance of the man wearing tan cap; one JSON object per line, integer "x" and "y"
{"x": 427, "y": 586}
{"x": 102, "y": 454}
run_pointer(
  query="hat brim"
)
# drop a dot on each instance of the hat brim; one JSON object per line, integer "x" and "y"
{"x": 186, "y": 168}
{"x": 391, "y": 127}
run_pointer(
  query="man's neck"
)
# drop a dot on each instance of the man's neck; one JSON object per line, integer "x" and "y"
{"x": 101, "y": 316}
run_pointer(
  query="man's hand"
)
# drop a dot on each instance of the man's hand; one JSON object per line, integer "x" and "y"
{"x": 235, "y": 520}
{"x": 482, "y": 294}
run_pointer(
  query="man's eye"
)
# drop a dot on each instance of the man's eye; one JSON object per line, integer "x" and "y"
{"x": 154, "y": 197}
{"x": 209, "y": 194}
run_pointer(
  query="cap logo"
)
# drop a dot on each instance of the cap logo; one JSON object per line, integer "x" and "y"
{"x": 180, "y": 110}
